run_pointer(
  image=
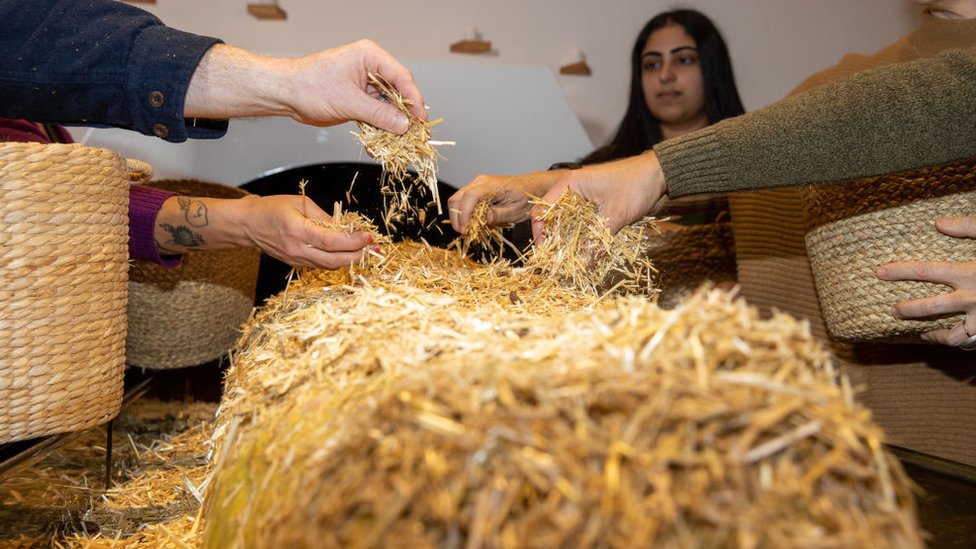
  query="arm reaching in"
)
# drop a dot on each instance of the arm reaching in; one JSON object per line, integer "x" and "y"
{"x": 323, "y": 89}
{"x": 281, "y": 226}
{"x": 625, "y": 190}
{"x": 960, "y": 276}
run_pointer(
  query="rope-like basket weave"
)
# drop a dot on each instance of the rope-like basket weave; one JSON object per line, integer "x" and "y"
{"x": 63, "y": 262}
{"x": 855, "y": 227}
{"x": 192, "y": 314}
{"x": 688, "y": 258}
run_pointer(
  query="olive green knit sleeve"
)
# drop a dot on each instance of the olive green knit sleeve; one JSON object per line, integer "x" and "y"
{"x": 885, "y": 120}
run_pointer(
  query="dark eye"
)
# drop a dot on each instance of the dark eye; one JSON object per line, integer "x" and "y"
{"x": 687, "y": 59}
{"x": 651, "y": 65}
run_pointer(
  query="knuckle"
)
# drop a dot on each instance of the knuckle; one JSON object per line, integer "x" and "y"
{"x": 928, "y": 308}
{"x": 924, "y": 270}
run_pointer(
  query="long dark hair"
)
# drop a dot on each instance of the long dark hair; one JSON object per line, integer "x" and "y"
{"x": 639, "y": 130}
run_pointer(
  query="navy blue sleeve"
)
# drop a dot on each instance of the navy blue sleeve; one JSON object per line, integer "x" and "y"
{"x": 99, "y": 62}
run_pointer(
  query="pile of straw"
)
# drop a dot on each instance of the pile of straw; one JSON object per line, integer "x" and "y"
{"x": 422, "y": 400}
{"x": 482, "y": 235}
{"x": 159, "y": 467}
{"x": 581, "y": 251}
{"x": 397, "y": 154}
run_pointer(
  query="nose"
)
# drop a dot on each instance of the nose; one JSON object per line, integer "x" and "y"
{"x": 666, "y": 74}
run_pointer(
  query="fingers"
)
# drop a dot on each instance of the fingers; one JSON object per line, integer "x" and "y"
{"x": 335, "y": 241}
{"x": 381, "y": 114}
{"x": 949, "y": 336}
{"x": 961, "y": 227}
{"x": 938, "y": 336}
{"x": 325, "y": 249}
{"x": 402, "y": 80}
{"x": 963, "y": 299}
{"x": 506, "y": 215}
{"x": 509, "y": 200}
{"x": 551, "y": 196}
{"x": 379, "y": 61}
{"x": 538, "y": 232}
{"x": 287, "y": 228}
{"x": 461, "y": 207}
{"x": 942, "y": 272}
{"x": 324, "y": 259}
{"x": 925, "y": 307}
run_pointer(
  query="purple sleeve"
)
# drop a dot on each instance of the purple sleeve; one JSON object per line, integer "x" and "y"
{"x": 22, "y": 131}
{"x": 144, "y": 204}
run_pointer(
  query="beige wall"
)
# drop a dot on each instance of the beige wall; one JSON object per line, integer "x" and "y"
{"x": 774, "y": 43}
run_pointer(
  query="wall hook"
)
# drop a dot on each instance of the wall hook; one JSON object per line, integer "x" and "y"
{"x": 578, "y": 66}
{"x": 472, "y": 43}
{"x": 265, "y": 10}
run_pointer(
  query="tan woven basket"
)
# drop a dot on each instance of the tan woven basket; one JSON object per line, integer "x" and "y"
{"x": 64, "y": 231}
{"x": 687, "y": 258}
{"x": 855, "y": 227}
{"x": 192, "y": 314}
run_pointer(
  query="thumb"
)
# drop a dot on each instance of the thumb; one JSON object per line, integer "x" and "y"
{"x": 959, "y": 226}
{"x": 382, "y": 114}
{"x": 538, "y": 235}
{"x": 550, "y": 198}
{"x": 615, "y": 222}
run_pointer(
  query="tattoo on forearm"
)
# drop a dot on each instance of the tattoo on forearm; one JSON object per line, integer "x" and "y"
{"x": 182, "y": 236}
{"x": 194, "y": 211}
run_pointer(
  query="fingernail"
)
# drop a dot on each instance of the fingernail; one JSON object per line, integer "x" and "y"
{"x": 895, "y": 313}
{"x": 376, "y": 249}
{"x": 369, "y": 239}
{"x": 403, "y": 123}
{"x": 948, "y": 223}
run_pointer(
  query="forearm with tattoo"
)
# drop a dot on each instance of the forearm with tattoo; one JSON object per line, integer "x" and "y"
{"x": 183, "y": 237}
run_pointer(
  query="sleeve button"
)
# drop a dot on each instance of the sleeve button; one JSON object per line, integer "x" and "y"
{"x": 161, "y": 130}
{"x": 156, "y": 99}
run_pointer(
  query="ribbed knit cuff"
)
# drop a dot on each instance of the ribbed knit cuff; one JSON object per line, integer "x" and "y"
{"x": 144, "y": 205}
{"x": 694, "y": 163}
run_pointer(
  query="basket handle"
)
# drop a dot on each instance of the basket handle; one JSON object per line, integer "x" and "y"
{"x": 139, "y": 171}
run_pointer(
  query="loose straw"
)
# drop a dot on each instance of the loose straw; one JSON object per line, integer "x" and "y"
{"x": 398, "y": 153}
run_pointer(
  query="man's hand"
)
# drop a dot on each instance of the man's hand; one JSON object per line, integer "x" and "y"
{"x": 323, "y": 89}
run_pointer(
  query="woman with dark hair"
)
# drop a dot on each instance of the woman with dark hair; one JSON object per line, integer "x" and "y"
{"x": 681, "y": 81}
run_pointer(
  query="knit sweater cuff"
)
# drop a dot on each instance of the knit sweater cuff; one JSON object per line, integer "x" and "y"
{"x": 144, "y": 205}
{"x": 694, "y": 163}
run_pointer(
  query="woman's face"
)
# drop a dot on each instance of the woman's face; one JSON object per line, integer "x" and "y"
{"x": 950, "y": 9}
{"x": 671, "y": 76}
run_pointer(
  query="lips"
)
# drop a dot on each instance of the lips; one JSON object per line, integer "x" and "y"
{"x": 668, "y": 95}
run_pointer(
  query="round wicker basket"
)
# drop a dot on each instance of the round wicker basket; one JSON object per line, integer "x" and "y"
{"x": 192, "y": 314}
{"x": 855, "y": 227}
{"x": 63, "y": 264}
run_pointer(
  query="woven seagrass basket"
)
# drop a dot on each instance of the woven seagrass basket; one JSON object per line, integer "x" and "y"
{"x": 192, "y": 314}
{"x": 690, "y": 257}
{"x": 63, "y": 263}
{"x": 855, "y": 227}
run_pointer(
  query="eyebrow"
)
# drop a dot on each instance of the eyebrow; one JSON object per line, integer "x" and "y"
{"x": 675, "y": 50}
